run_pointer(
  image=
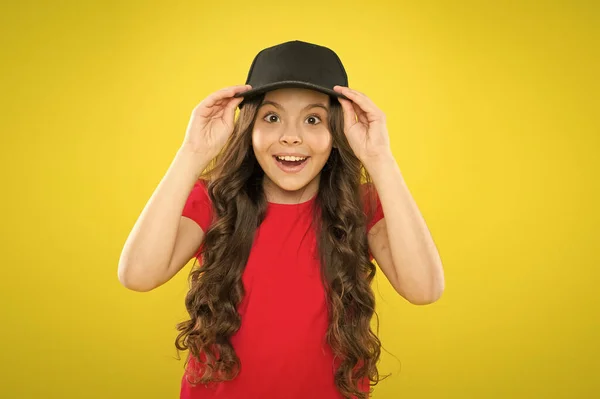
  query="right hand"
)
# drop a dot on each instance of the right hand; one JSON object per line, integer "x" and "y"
{"x": 211, "y": 122}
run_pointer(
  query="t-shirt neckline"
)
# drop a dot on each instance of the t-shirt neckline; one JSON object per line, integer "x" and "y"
{"x": 281, "y": 205}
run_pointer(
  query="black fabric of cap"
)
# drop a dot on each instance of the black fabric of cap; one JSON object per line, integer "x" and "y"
{"x": 295, "y": 64}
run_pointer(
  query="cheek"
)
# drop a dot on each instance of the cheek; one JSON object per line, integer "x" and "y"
{"x": 260, "y": 141}
{"x": 320, "y": 142}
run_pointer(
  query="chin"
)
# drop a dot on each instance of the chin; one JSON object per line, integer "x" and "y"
{"x": 291, "y": 183}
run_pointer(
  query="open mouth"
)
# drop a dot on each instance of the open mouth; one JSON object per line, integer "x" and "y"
{"x": 290, "y": 163}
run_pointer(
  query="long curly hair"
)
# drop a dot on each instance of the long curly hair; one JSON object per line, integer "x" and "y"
{"x": 239, "y": 204}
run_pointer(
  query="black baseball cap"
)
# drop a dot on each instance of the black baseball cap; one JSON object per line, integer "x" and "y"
{"x": 295, "y": 64}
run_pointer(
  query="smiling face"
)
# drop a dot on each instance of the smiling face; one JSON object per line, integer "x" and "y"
{"x": 292, "y": 142}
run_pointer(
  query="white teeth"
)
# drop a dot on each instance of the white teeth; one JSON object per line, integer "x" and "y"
{"x": 290, "y": 158}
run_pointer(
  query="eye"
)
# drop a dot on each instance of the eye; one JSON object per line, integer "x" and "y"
{"x": 314, "y": 117}
{"x": 268, "y": 117}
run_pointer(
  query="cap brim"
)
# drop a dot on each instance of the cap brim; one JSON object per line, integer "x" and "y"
{"x": 288, "y": 83}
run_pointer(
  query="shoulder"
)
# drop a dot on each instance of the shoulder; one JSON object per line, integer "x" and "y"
{"x": 198, "y": 206}
{"x": 371, "y": 204}
{"x": 199, "y": 190}
{"x": 369, "y": 197}
{"x": 368, "y": 191}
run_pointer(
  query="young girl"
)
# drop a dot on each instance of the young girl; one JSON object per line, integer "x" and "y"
{"x": 286, "y": 222}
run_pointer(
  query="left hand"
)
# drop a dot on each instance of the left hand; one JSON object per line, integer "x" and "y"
{"x": 367, "y": 136}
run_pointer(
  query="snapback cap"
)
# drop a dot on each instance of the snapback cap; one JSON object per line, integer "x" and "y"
{"x": 295, "y": 64}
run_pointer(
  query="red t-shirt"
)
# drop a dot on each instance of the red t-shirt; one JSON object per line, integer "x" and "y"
{"x": 281, "y": 342}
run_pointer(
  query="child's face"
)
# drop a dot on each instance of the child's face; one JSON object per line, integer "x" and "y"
{"x": 293, "y": 126}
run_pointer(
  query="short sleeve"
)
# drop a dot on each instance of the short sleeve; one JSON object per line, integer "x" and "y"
{"x": 198, "y": 206}
{"x": 372, "y": 205}
{"x": 370, "y": 201}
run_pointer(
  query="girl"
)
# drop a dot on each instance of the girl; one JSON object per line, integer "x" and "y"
{"x": 286, "y": 222}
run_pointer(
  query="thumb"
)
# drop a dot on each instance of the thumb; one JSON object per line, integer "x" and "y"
{"x": 229, "y": 112}
{"x": 349, "y": 114}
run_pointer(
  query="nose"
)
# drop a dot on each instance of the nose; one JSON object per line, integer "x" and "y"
{"x": 290, "y": 137}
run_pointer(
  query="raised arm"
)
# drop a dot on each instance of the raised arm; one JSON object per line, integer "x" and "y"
{"x": 162, "y": 241}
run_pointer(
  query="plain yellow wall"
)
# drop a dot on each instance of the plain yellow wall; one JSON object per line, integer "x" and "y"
{"x": 493, "y": 115}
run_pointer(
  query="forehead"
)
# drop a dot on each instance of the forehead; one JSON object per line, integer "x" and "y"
{"x": 292, "y": 96}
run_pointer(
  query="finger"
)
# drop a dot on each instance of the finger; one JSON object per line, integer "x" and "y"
{"x": 228, "y": 92}
{"x": 364, "y": 102}
{"x": 229, "y": 113}
{"x": 360, "y": 113}
{"x": 349, "y": 114}
{"x": 362, "y": 116}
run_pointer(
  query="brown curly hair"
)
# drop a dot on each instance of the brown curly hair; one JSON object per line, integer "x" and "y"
{"x": 239, "y": 203}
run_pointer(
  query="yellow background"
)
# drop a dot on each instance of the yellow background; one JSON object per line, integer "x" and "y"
{"x": 493, "y": 115}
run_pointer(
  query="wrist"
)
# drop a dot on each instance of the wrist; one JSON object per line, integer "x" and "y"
{"x": 384, "y": 160}
{"x": 193, "y": 161}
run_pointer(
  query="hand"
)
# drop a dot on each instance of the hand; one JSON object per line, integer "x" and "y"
{"x": 367, "y": 136}
{"x": 211, "y": 122}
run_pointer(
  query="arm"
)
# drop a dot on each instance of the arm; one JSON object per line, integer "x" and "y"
{"x": 162, "y": 241}
{"x": 401, "y": 242}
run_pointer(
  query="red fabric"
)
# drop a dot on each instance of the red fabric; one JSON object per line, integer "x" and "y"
{"x": 281, "y": 342}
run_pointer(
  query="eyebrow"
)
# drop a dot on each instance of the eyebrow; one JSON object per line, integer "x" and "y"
{"x": 279, "y": 106}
